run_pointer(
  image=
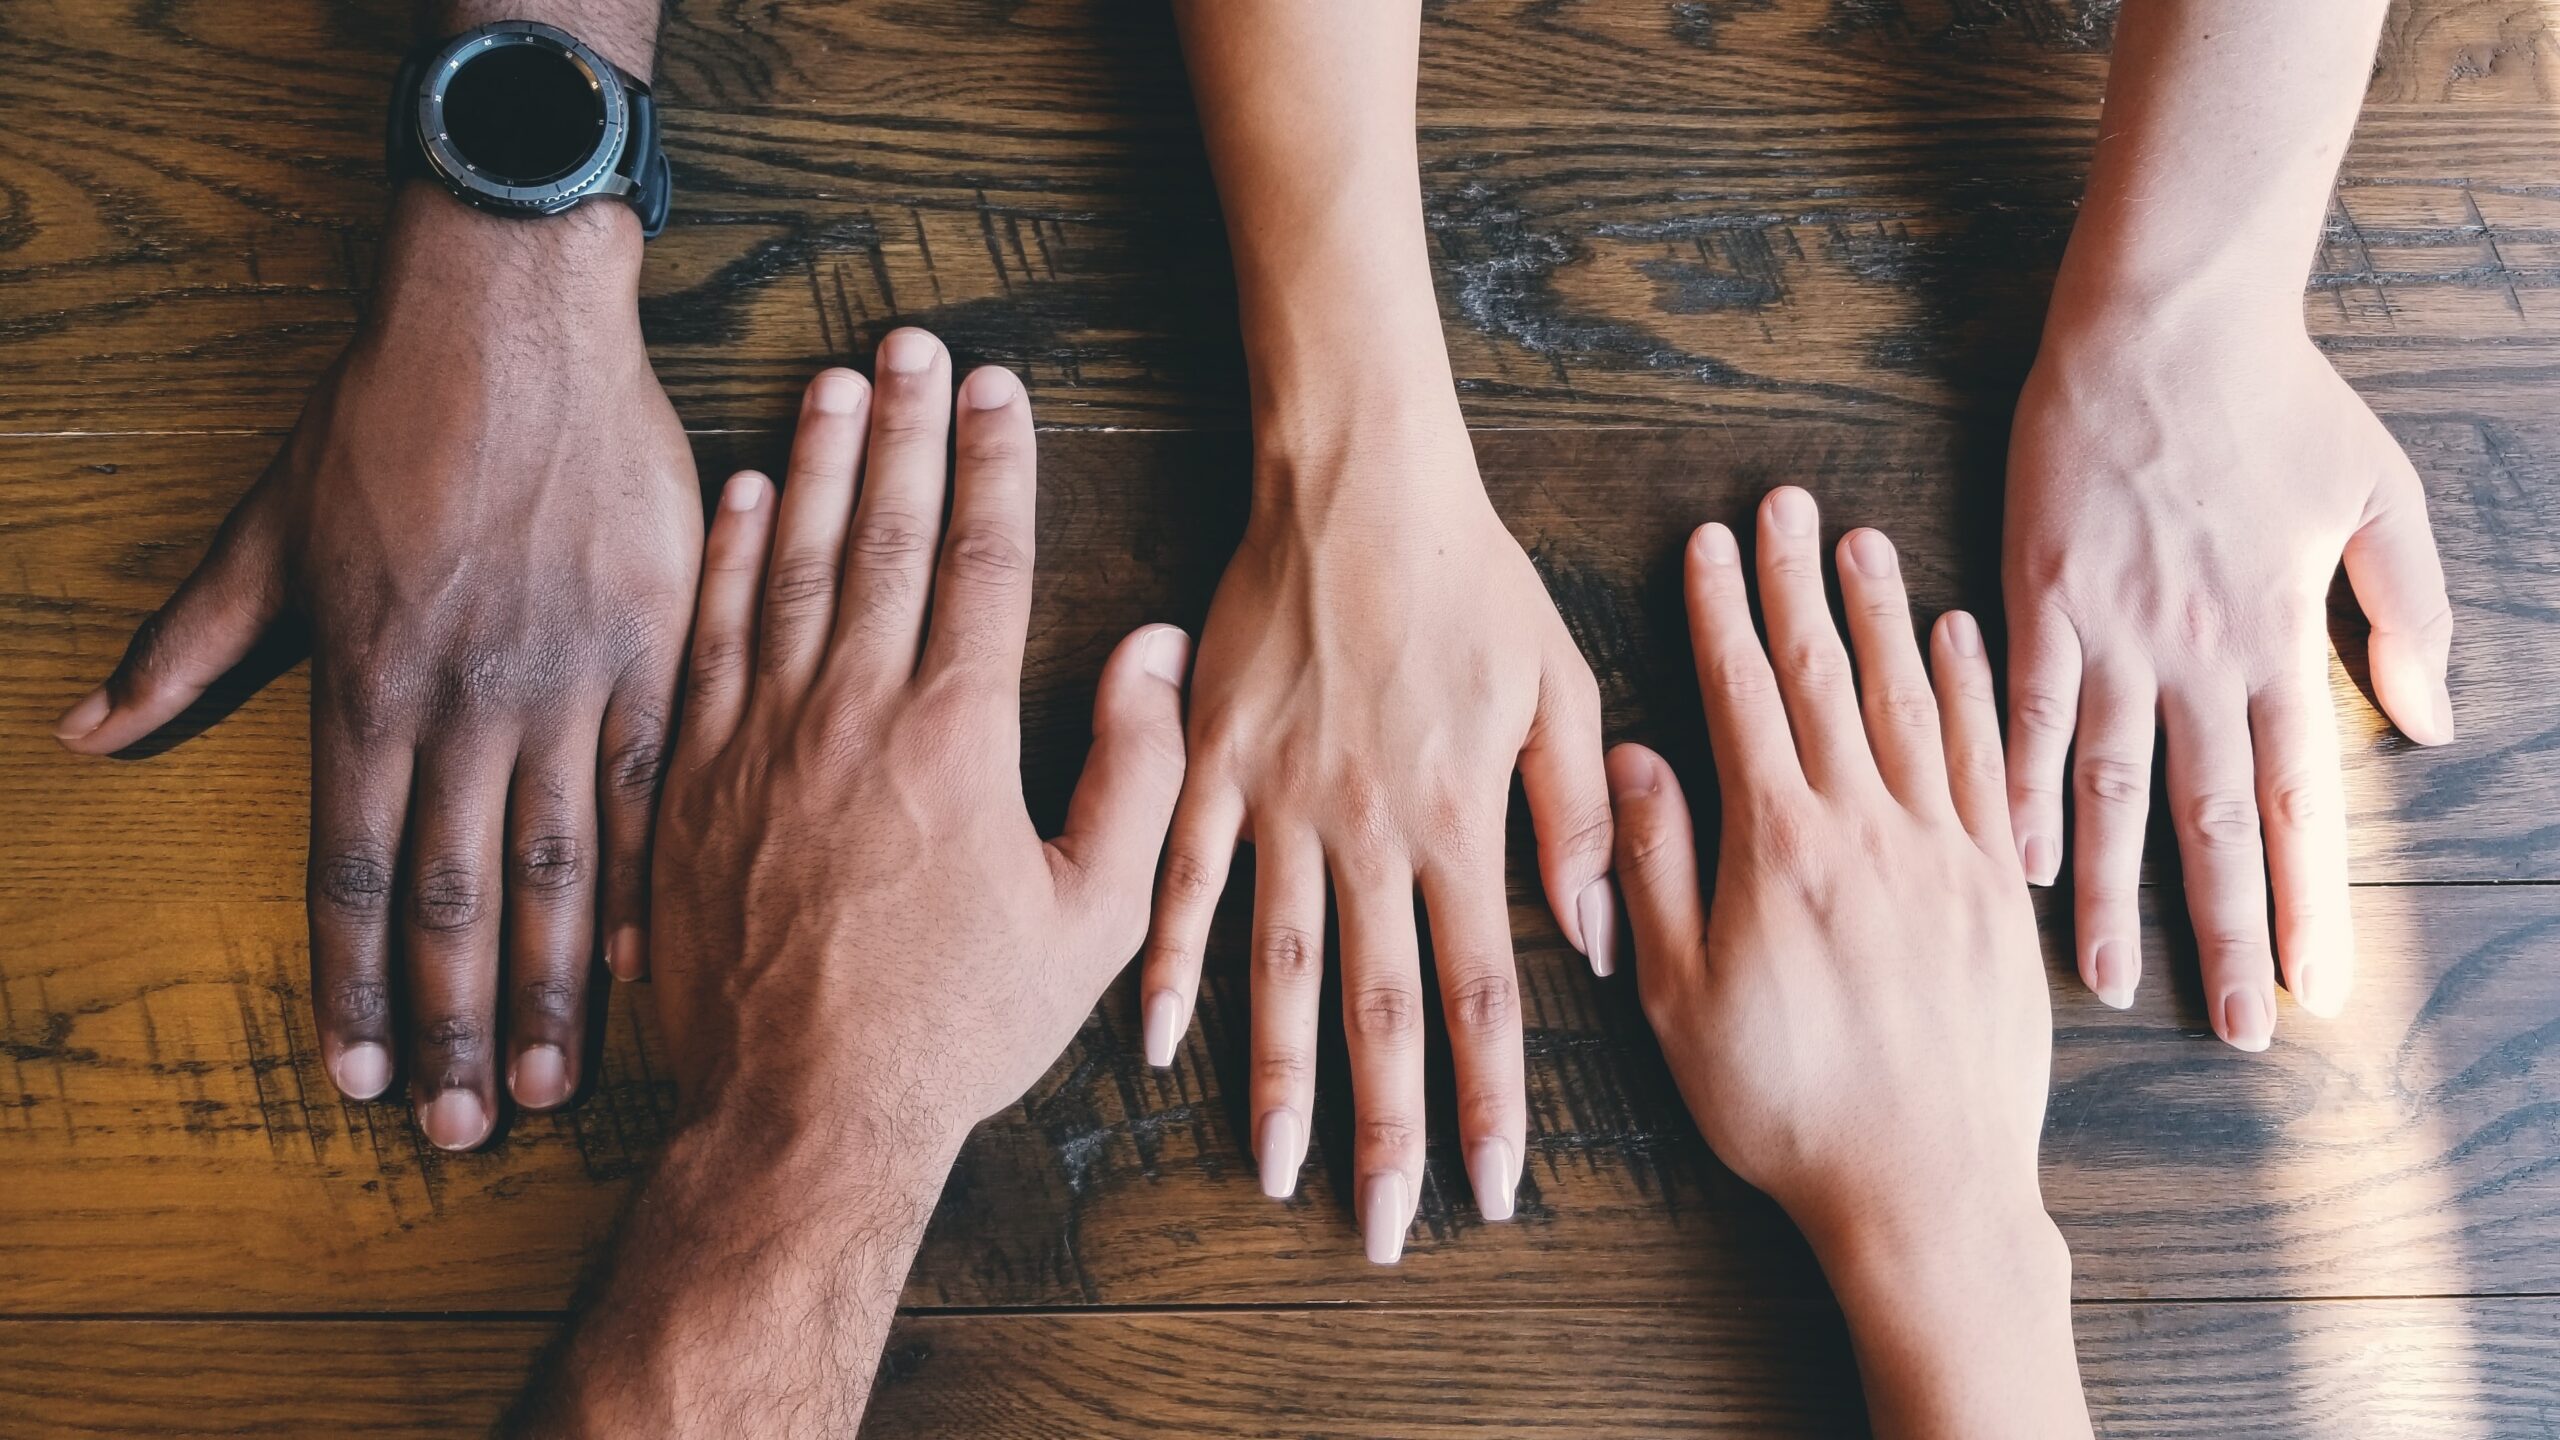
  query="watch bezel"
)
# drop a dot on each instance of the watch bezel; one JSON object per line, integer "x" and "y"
{"x": 590, "y": 176}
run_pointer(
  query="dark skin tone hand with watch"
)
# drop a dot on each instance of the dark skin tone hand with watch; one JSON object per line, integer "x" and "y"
{"x": 488, "y": 521}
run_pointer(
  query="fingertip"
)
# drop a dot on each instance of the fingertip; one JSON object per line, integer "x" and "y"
{"x": 1790, "y": 510}
{"x": 1869, "y": 553}
{"x": 1164, "y": 651}
{"x": 908, "y": 350}
{"x": 1163, "y": 1025}
{"x": 1634, "y": 771}
{"x": 2246, "y": 1022}
{"x": 1713, "y": 544}
{"x": 744, "y": 492}
{"x": 627, "y": 954}
{"x": 83, "y": 719}
{"x": 837, "y": 391}
{"x": 1961, "y": 634}
{"x": 990, "y": 387}
{"x": 361, "y": 1071}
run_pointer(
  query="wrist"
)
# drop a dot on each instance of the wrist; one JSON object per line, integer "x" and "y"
{"x": 837, "y": 1145}
{"x": 2113, "y": 290}
{"x": 443, "y": 258}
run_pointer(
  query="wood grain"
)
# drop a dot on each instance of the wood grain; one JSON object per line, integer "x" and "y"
{"x": 2434, "y": 1369}
{"x": 1640, "y": 212}
{"x": 168, "y": 1132}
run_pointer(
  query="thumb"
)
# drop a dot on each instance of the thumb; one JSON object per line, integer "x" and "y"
{"x": 2398, "y": 579}
{"x": 1117, "y": 819}
{"x": 207, "y": 627}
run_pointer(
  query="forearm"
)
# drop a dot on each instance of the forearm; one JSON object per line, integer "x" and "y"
{"x": 623, "y": 31}
{"x": 2224, "y": 124}
{"x": 1307, "y": 107}
{"x": 750, "y": 1291}
{"x": 1961, "y": 1321}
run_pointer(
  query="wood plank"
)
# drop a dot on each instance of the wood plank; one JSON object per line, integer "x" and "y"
{"x": 2402, "y": 1369}
{"x": 1136, "y": 527}
{"x": 1628, "y": 228}
{"x": 168, "y": 1133}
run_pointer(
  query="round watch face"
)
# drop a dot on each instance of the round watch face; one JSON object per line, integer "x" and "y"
{"x": 519, "y": 116}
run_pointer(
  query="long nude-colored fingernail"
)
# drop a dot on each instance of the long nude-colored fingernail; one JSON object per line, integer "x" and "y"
{"x": 540, "y": 1078}
{"x": 363, "y": 1070}
{"x": 625, "y": 956}
{"x": 2113, "y": 971}
{"x": 1384, "y": 1214}
{"x": 2247, "y": 1021}
{"x": 1279, "y": 1148}
{"x": 1163, "y": 1027}
{"x": 454, "y": 1120}
{"x": 84, "y": 717}
{"x": 1597, "y": 911}
{"x": 1490, "y": 1171}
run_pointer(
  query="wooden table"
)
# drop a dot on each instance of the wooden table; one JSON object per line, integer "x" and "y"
{"x": 1685, "y": 250}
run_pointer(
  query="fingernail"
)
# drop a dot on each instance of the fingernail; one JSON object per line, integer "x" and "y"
{"x": 2113, "y": 972}
{"x": 908, "y": 351}
{"x": 1597, "y": 911}
{"x": 1168, "y": 655}
{"x": 2041, "y": 858}
{"x": 1489, "y": 1171}
{"x": 84, "y": 717}
{"x": 1383, "y": 1217}
{"x": 836, "y": 392}
{"x": 454, "y": 1120}
{"x": 2247, "y": 1021}
{"x": 745, "y": 491}
{"x": 540, "y": 1079}
{"x": 1963, "y": 636}
{"x": 1791, "y": 510}
{"x": 1716, "y": 543}
{"x": 2320, "y": 987}
{"x": 2440, "y": 710}
{"x": 623, "y": 955}
{"x": 1631, "y": 774}
{"x": 1872, "y": 552}
{"x": 363, "y": 1070}
{"x": 1279, "y": 1148}
{"x": 990, "y": 387}
{"x": 1164, "y": 1027}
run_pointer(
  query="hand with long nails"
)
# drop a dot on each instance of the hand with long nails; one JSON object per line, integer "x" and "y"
{"x": 1859, "y": 1022}
{"x": 2187, "y": 473}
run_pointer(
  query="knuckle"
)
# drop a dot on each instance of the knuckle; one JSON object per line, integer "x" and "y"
{"x": 1740, "y": 675}
{"x": 448, "y": 897}
{"x": 1589, "y": 832}
{"x": 550, "y": 864}
{"x": 1388, "y": 1134}
{"x": 2108, "y": 780}
{"x": 2223, "y": 820}
{"x": 1906, "y": 707}
{"x": 719, "y": 658}
{"x": 1979, "y": 764}
{"x": 802, "y": 581}
{"x": 1485, "y": 1005}
{"x": 2041, "y": 711}
{"x": 981, "y": 556}
{"x": 552, "y": 998}
{"x": 457, "y": 1039}
{"x": 890, "y": 540}
{"x": 354, "y": 882}
{"x": 639, "y": 757}
{"x": 1788, "y": 842}
{"x": 1816, "y": 666}
{"x": 1650, "y": 850}
{"x": 1387, "y": 1015}
{"x": 1289, "y": 955}
{"x": 2300, "y": 803}
{"x": 358, "y": 1001}
{"x": 1283, "y": 1069}
{"x": 1189, "y": 879}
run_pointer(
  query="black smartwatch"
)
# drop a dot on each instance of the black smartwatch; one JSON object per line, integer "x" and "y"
{"x": 520, "y": 118}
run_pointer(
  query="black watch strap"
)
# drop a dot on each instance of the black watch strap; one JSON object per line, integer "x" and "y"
{"x": 642, "y": 164}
